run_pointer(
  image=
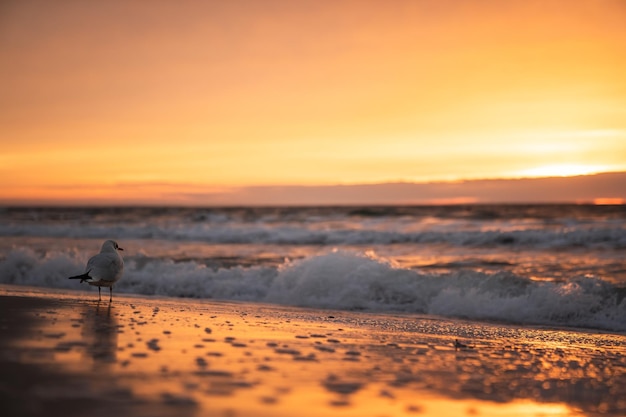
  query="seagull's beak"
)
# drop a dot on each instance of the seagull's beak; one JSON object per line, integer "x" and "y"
{"x": 120, "y": 248}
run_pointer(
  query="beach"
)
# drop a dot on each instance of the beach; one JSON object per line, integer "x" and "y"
{"x": 65, "y": 353}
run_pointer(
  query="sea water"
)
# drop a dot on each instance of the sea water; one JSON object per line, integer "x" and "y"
{"x": 555, "y": 265}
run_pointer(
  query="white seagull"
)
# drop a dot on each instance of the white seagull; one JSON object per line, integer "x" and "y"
{"x": 104, "y": 269}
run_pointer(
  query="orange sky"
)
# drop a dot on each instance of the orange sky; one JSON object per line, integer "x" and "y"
{"x": 121, "y": 99}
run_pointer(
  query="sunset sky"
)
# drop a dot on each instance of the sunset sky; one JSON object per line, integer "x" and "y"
{"x": 152, "y": 101}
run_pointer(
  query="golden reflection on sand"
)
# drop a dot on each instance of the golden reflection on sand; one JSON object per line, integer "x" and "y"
{"x": 206, "y": 358}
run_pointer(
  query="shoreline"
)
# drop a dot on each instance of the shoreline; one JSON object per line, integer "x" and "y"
{"x": 87, "y": 293}
{"x": 62, "y": 352}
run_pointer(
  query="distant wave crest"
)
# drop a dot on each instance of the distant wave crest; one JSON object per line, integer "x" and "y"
{"x": 598, "y": 237}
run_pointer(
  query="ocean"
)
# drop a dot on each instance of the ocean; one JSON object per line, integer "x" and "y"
{"x": 539, "y": 265}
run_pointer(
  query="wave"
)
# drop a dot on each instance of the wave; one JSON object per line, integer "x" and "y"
{"x": 604, "y": 238}
{"x": 348, "y": 281}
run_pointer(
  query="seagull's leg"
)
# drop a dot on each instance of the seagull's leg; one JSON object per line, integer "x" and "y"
{"x": 99, "y": 298}
{"x": 110, "y": 293}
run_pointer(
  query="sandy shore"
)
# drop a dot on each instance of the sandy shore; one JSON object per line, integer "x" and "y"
{"x": 64, "y": 353}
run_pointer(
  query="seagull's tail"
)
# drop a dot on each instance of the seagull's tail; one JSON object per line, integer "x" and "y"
{"x": 83, "y": 277}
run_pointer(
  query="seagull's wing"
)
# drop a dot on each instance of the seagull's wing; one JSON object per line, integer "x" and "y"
{"x": 105, "y": 266}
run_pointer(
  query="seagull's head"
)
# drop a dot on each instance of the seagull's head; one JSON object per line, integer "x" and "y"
{"x": 110, "y": 246}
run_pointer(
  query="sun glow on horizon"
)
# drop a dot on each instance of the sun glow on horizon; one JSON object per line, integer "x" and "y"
{"x": 609, "y": 201}
{"x": 563, "y": 170}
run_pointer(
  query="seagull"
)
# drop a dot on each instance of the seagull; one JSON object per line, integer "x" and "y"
{"x": 104, "y": 269}
{"x": 459, "y": 345}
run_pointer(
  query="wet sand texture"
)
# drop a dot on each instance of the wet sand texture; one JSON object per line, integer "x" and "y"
{"x": 64, "y": 353}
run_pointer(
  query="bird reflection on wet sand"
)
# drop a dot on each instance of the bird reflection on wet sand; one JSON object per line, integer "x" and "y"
{"x": 100, "y": 333}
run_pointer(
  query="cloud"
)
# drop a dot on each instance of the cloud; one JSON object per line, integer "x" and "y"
{"x": 580, "y": 189}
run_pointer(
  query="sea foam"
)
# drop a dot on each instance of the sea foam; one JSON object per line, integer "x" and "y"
{"x": 349, "y": 281}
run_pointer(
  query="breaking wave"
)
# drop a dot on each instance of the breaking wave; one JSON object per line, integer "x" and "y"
{"x": 348, "y": 281}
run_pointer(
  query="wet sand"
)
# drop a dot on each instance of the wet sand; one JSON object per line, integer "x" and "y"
{"x": 65, "y": 353}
